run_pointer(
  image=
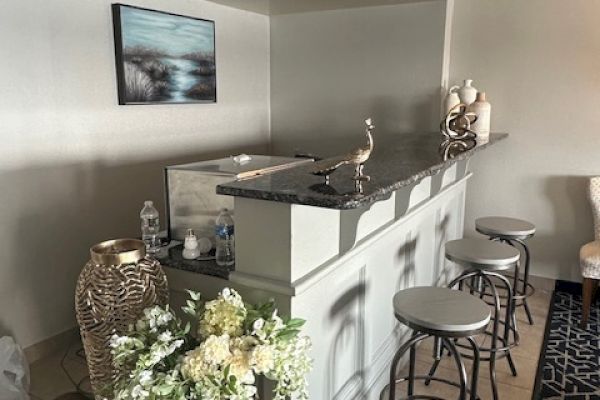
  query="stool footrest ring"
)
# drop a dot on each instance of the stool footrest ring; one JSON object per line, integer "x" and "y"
{"x": 424, "y": 378}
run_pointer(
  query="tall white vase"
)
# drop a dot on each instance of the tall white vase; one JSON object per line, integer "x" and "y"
{"x": 467, "y": 92}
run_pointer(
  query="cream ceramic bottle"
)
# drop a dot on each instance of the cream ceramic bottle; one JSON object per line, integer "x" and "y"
{"x": 451, "y": 100}
{"x": 483, "y": 110}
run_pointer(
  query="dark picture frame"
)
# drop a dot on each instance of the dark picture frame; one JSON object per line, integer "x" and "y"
{"x": 163, "y": 58}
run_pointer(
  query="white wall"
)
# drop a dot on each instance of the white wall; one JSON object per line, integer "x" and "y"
{"x": 331, "y": 69}
{"x": 76, "y": 167}
{"x": 539, "y": 61}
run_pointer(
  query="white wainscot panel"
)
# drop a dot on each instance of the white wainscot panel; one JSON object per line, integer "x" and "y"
{"x": 390, "y": 268}
{"x": 334, "y": 309}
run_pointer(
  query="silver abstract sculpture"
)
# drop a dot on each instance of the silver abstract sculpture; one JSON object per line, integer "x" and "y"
{"x": 451, "y": 148}
{"x": 457, "y": 123}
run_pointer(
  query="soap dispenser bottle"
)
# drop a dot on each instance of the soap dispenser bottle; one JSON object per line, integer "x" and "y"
{"x": 190, "y": 246}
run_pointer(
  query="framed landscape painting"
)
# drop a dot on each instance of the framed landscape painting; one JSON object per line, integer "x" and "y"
{"x": 163, "y": 58}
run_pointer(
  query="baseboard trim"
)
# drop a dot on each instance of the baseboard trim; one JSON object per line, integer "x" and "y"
{"x": 542, "y": 284}
{"x": 52, "y": 345}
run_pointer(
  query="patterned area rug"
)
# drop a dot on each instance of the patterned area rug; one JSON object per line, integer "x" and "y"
{"x": 570, "y": 361}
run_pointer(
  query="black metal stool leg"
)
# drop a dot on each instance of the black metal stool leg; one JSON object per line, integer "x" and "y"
{"x": 526, "y": 278}
{"x": 460, "y": 366}
{"x": 494, "y": 344}
{"x": 438, "y": 350}
{"x": 508, "y": 320}
{"x": 411, "y": 371}
{"x": 416, "y": 338}
{"x": 528, "y": 312}
{"x": 479, "y": 276}
{"x": 475, "y": 368}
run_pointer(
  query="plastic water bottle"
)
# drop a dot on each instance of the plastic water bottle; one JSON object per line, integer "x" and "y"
{"x": 150, "y": 227}
{"x": 225, "y": 253}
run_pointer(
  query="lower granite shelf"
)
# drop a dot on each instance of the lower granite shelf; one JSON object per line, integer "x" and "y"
{"x": 171, "y": 256}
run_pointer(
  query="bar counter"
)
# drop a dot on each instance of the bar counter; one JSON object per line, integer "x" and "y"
{"x": 335, "y": 254}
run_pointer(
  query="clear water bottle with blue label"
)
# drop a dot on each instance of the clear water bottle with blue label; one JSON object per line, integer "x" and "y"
{"x": 150, "y": 227}
{"x": 225, "y": 252}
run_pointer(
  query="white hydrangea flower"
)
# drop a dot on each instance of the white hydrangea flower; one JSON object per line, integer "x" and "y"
{"x": 263, "y": 359}
{"x": 216, "y": 349}
{"x": 205, "y": 359}
{"x": 223, "y": 316}
{"x": 239, "y": 365}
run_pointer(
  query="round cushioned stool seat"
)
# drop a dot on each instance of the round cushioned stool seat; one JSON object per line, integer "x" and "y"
{"x": 589, "y": 257}
{"x": 438, "y": 309}
{"x": 482, "y": 253}
{"x": 505, "y": 227}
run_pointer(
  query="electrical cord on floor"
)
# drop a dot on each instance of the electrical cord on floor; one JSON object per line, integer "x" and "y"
{"x": 76, "y": 385}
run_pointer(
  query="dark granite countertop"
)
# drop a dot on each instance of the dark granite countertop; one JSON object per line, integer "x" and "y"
{"x": 394, "y": 164}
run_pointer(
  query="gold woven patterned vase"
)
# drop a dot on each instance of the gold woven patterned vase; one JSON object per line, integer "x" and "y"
{"x": 113, "y": 289}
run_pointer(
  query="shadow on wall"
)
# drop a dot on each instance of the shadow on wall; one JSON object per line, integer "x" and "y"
{"x": 573, "y": 225}
{"x": 51, "y": 216}
{"x": 406, "y": 257}
{"x": 348, "y": 349}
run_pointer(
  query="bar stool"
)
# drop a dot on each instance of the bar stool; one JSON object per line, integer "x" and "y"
{"x": 511, "y": 231}
{"x": 483, "y": 260}
{"x": 445, "y": 314}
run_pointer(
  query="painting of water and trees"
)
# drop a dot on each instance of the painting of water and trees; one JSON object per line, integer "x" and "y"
{"x": 163, "y": 58}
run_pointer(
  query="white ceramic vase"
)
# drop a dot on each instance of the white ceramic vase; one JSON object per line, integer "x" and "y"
{"x": 451, "y": 100}
{"x": 483, "y": 110}
{"x": 467, "y": 92}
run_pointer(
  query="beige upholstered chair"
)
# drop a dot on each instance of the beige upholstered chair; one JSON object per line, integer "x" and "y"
{"x": 589, "y": 255}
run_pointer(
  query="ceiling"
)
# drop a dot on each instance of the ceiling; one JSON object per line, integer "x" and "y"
{"x": 277, "y": 7}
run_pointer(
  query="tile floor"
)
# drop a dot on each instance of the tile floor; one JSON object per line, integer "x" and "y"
{"x": 48, "y": 378}
{"x": 49, "y": 381}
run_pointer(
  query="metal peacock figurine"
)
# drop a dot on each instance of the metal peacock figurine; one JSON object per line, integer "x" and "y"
{"x": 357, "y": 157}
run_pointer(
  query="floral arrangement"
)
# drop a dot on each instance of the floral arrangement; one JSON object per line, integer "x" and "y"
{"x": 159, "y": 359}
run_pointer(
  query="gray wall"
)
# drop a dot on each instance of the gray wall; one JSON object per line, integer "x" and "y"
{"x": 331, "y": 69}
{"x": 75, "y": 166}
{"x": 539, "y": 61}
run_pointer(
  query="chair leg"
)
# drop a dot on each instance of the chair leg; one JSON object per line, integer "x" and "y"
{"x": 589, "y": 289}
